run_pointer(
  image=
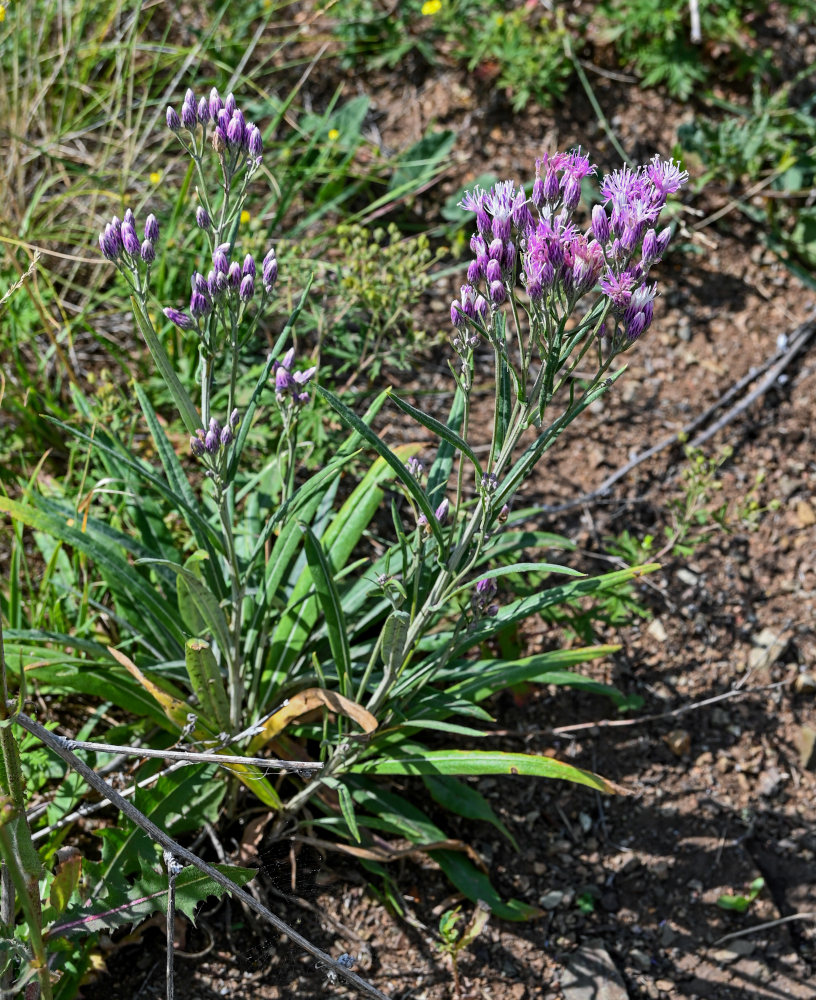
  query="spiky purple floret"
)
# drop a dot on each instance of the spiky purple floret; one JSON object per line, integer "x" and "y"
{"x": 223, "y": 120}
{"x": 247, "y": 289}
{"x": 173, "y": 120}
{"x": 227, "y": 437}
{"x": 229, "y": 104}
{"x": 203, "y": 220}
{"x": 215, "y": 104}
{"x": 248, "y": 265}
{"x": 234, "y": 275}
{"x": 147, "y": 251}
{"x": 108, "y": 245}
{"x": 493, "y": 272}
{"x": 220, "y": 261}
{"x": 474, "y": 272}
{"x": 649, "y": 252}
{"x": 129, "y": 217}
{"x": 180, "y": 319}
{"x": 663, "y": 239}
{"x": 303, "y": 377}
{"x": 203, "y": 111}
{"x": 151, "y": 229}
{"x": 666, "y": 176}
{"x": 283, "y": 380}
{"x": 198, "y": 283}
{"x": 638, "y": 315}
{"x": 213, "y": 283}
{"x": 457, "y": 316}
{"x": 618, "y": 288}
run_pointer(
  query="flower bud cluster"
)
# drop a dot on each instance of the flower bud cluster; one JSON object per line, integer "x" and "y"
{"x": 482, "y": 600}
{"x": 228, "y": 282}
{"x": 215, "y": 438}
{"x": 289, "y": 384}
{"x": 120, "y": 243}
{"x": 559, "y": 261}
{"x": 231, "y": 135}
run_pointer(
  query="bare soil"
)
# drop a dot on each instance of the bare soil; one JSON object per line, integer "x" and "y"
{"x": 719, "y": 792}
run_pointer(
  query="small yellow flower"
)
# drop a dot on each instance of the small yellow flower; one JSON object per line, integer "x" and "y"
{"x": 334, "y": 135}
{"x": 431, "y": 7}
{"x": 245, "y": 217}
{"x": 2, "y": 12}
{"x": 499, "y": 20}
{"x": 155, "y": 177}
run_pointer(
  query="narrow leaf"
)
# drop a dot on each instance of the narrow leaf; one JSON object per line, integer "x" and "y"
{"x": 441, "y": 430}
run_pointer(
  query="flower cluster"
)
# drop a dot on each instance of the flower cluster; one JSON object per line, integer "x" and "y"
{"x": 559, "y": 262}
{"x": 231, "y": 136}
{"x": 120, "y": 243}
{"x": 229, "y": 283}
{"x": 482, "y": 600}
{"x": 291, "y": 384}
{"x": 216, "y": 437}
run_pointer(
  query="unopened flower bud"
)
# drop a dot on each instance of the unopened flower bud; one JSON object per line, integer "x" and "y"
{"x": 497, "y": 292}
{"x": 203, "y": 220}
{"x": 234, "y": 275}
{"x": 203, "y": 111}
{"x": 234, "y": 419}
{"x": 197, "y": 446}
{"x": 229, "y": 104}
{"x": 600, "y": 224}
{"x": 254, "y": 142}
{"x": 147, "y": 251}
{"x": 220, "y": 262}
{"x": 151, "y": 229}
{"x": 493, "y": 271}
{"x": 189, "y": 116}
{"x": 248, "y": 265}
{"x": 226, "y": 437}
{"x": 180, "y": 319}
{"x": 130, "y": 240}
{"x": 442, "y": 511}
{"x": 215, "y": 104}
{"x": 247, "y": 289}
{"x": 173, "y": 120}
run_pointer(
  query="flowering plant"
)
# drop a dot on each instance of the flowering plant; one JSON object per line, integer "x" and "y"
{"x": 252, "y": 627}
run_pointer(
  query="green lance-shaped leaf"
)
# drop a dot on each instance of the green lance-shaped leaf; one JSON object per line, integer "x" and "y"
{"x": 395, "y": 632}
{"x": 207, "y": 682}
{"x": 330, "y": 604}
{"x": 473, "y": 762}
{"x": 441, "y": 430}
{"x": 350, "y": 418}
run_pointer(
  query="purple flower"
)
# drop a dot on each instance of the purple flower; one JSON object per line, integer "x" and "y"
{"x": 220, "y": 261}
{"x": 173, "y": 120}
{"x": 234, "y": 419}
{"x": 442, "y": 511}
{"x": 269, "y": 271}
{"x": 234, "y": 275}
{"x": 600, "y": 224}
{"x": 189, "y": 116}
{"x": 147, "y": 251}
{"x": 254, "y": 143}
{"x": 247, "y": 289}
{"x": 235, "y": 131}
{"x": 211, "y": 441}
{"x": 180, "y": 319}
{"x": 474, "y": 272}
{"x": 249, "y": 265}
{"x": 618, "y": 288}
{"x": 227, "y": 437}
{"x": 219, "y": 140}
{"x": 457, "y": 316}
{"x": 200, "y": 305}
{"x": 203, "y": 111}
{"x": 415, "y": 467}
{"x": 486, "y": 589}
{"x": 215, "y": 104}
{"x": 197, "y": 444}
{"x": 666, "y": 176}
{"x": 637, "y": 316}
{"x": 203, "y": 220}
{"x": 229, "y": 104}
{"x": 497, "y": 292}
{"x": 130, "y": 240}
{"x": 151, "y": 229}
{"x": 493, "y": 272}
